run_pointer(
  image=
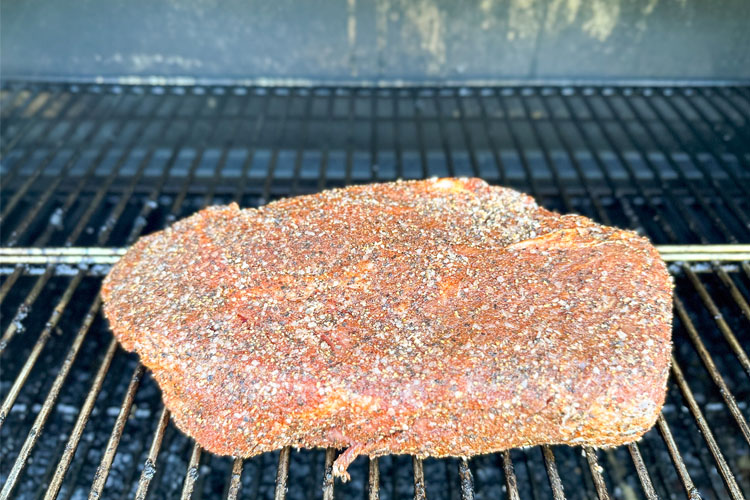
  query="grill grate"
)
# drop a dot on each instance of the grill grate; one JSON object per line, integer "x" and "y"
{"x": 87, "y": 169}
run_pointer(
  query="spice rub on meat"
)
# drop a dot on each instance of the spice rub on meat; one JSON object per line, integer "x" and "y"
{"x": 437, "y": 317}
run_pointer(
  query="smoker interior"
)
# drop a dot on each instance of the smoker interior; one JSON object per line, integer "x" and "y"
{"x": 95, "y": 166}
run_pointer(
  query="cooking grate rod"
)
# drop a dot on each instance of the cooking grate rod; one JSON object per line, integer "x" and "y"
{"x": 102, "y": 471}
{"x": 126, "y": 406}
{"x": 719, "y": 318}
{"x": 699, "y": 253}
{"x": 44, "y": 237}
{"x": 711, "y": 367}
{"x": 102, "y": 255}
{"x": 21, "y": 191}
{"x": 740, "y": 128}
{"x": 38, "y": 113}
{"x": 726, "y": 473}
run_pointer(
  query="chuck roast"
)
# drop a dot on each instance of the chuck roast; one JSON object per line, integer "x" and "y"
{"x": 435, "y": 318}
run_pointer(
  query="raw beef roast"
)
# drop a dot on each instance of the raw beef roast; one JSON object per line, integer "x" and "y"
{"x": 437, "y": 317}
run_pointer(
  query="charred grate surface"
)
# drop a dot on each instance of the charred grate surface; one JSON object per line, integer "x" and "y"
{"x": 96, "y": 166}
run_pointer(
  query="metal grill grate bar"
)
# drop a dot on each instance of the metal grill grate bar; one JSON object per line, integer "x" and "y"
{"x": 191, "y": 476}
{"x": 38, "y": 346}
{"x": 38, "y": 113}
{"x": 149, "y": 468}
{"x": 719, "y": 318}
{"x": 18, "y": 195}
{"x": 419, "y": 487}
{"x": 511, "y": 482}
{"x": 712, "y": 370}
{"x": 596, "y": 473}
{"x": 75, "y": 435}
{"x": 235, "y": 480}
{"x": 282, "y": 474}
{"x": 44, "y": 413}
{"x": 643, "y": 475}
{"x": 726, "y": 473}
{"x": 102, "y": 472}
{"x": 554, "y": 477}
{"x": 373, "y": 484}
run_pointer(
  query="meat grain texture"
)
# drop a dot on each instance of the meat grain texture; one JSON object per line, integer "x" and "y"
{"x": 435, "y": 318}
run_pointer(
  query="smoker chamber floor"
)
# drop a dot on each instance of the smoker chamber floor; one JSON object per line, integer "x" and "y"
{"x": 88, "y": 168}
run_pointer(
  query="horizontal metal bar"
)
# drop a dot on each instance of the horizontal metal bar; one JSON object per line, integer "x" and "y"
{"x": 705, "y": 257}
{"x": 60, "y": 259}
{"x": 103, "y": 255}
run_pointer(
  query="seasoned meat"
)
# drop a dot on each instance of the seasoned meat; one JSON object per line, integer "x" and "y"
{"x": 437, "y": 317}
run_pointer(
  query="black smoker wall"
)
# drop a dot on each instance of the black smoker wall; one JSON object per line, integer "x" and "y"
{"x": 377, "y": 40}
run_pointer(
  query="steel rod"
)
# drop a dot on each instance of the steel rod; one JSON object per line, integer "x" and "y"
{"x": 192, "y": 473}
{"x": 102, "y": 472}
{"x": 252, "y": 147}
{"x": 22, "y": 190}
{"x": 235, "y": 479}
{"x": 35, "y": 117}
{"x": 24, "y": 309}
{"x": 511, "y": 482}
{"x": 420, "y": 492}
{"x": 75, "y": 435}
{"x": 552, "y": 474}
{"x": 713, "y": 371}
{"x": 589, "y": 143}
{"x": 734, "y": 291}
{"x": 466, "y": 479}
{"x": 600, "y": 211}
{"x": 373, "y": 480}
{"x": 700, "y": 421}
{"x": 521, "y": 151}
{"x": 268, "y": 181}
{"x": 697, "y": 163}
{"x": 328, "y": 480}
{"x": 713, "y": 97}
{"x": 300, "y": 150}
{"x": 282, "y": 474}
{"x": 653, "y": 137}
{"x": 718, "y": 317}
{"x": 325, "y": 145}
{"x": 544, "y": 146}
{"x": 596, "y": 473}
{"x": 444, "y": 143}
{"x": 642, "y": 471}
{"x": 677, "y": 460}
{"x": 466, "y": 136}
{"x": 487, "y": 128}
{"x": 103, "y": 255}
{"x": 49, "y": 402}
{"x": 49, "y": 326}
{"x": 149, "y": 467}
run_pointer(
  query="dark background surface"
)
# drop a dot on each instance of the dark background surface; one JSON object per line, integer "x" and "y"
{"x": 381, "y": 41}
